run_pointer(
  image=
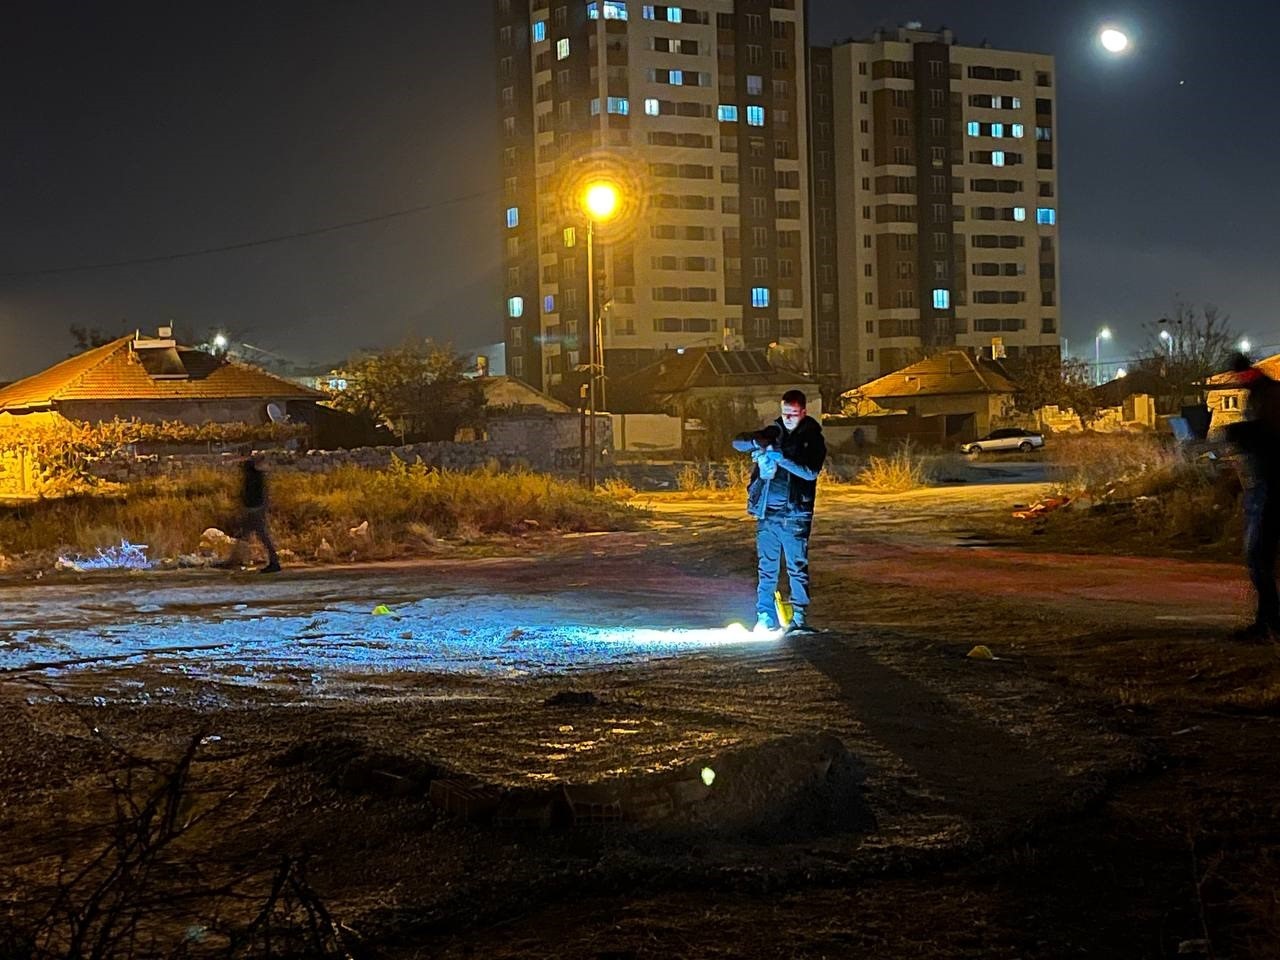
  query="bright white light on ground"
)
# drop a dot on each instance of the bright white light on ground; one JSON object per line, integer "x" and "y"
{"x": 1113, "y": 40}
{"x": 708, "y": 776}
{"x": 245, "y": 635}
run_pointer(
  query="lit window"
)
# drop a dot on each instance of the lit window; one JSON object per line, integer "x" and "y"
{"x": 674, "y": 14}
{"x": 1019, "y": 213}
{"x": 1017, "y": 130}
{"x": 755, "y": 116}
{"x": 613, "y": 10}
{"x": 728, "y": 113}
{"x": 755, "y": 85}
{"x": 1015, "y": 103}
{"x": 570, "y": 236}
{"x": 515, "y": 307}
{"x": 1046, "y": 216}
{"x": 539, "y": 30}
{"x": 759, "y": 296}
{"x": 513, "y": 217}
{"x": 941, "y": 299}
{"x": 651, "y": 108}
{"x": 975, "y": 128}
{"x": 647, "y": 13}
{"x": 562, "y": 48}
{"x": 997, "y": 158}
{"x": 595, "y": 106}
{"x": 619, "y": 105}
{"x": 675, "y": 77}
{"x": 997, "y": 129}
{"x": 548, "y": 304}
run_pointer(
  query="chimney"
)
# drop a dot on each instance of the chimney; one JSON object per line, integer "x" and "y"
{"x": 165, "y": 333}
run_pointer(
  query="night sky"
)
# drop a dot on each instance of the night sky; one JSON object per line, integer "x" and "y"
{"x": 135, "y": 131}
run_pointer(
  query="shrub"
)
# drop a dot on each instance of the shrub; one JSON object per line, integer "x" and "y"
{"x": 904, "y": 469}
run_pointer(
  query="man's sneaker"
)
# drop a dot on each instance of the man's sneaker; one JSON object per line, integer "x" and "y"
{"x": 766, "y": 623}
{"x": 272, "y": 567}
{"x": 800, "y": 622}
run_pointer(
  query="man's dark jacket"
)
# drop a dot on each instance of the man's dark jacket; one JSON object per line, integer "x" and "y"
{"x": 803, "y": 446}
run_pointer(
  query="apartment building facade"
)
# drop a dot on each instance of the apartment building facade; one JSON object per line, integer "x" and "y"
{"x": 701, "y": 111}
{"x": 946, "y": 201}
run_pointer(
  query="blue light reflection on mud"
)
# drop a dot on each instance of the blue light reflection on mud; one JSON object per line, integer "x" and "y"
{"x": 511, "y": 636}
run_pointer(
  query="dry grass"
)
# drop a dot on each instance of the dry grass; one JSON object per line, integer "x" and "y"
{"x": 408, "y": 510}
{"x": 904, "y": 469}
{"x": 1171, "y": 495}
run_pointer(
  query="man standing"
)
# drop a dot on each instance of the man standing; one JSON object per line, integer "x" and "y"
{"x": 253, "y": 497}
{"x": 788, "y": 454}
{"x": 1258, "y": 438}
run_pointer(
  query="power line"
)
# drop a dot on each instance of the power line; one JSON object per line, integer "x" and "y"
{"x": 162, "y": 258}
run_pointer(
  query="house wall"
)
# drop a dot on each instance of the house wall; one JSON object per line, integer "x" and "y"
{"x": 1226, "y": 407}
{"x": 641, "y": 432}
{"x": 251, "y": 411}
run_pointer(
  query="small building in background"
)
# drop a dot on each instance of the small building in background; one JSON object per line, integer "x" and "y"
{"x": 1227, "y": 399}
{"x": 156, "y": 380}
{"x": 949, "y": 398}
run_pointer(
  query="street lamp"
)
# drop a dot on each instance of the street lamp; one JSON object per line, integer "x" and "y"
{"x": 600, "y": 202}
{"x": 1244, "y": 345}
{"x": 1167, "y": 337}
{"x": 1103, "y": 334}
{"x": 219, "y": 342}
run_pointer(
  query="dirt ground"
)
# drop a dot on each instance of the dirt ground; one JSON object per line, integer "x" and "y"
{"x": 1104, "y": 787}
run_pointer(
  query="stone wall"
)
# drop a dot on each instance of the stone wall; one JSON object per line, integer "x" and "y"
{"x": 548, "y": 443}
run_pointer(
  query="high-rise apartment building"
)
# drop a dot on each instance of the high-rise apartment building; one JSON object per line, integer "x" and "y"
{"x": 704, "y": 108}
{"x": 946, "y": 200}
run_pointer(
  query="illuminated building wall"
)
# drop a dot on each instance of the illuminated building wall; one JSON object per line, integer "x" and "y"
{"x": 706, "y": 107}
{"x": 946, "y": 200}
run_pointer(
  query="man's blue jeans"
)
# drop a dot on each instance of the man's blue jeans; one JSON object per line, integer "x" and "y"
{"x": 1261, "y": 536}
{"x": 782, "y": 536}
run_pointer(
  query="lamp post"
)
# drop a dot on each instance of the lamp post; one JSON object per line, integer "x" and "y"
{"x": 1103, "y": 334}
{"x": 1167, "y": 337}
{"x": 1244, "y": 345}
{"x": 600, "y": 203}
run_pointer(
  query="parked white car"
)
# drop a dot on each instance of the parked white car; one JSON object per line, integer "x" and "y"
{"x": 1010, "y": 438}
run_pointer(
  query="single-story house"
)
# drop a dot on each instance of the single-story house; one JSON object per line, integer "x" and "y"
{"x": 949, "y": 398}
{"x": 154, "y": 380}
{"x": 1227, "y": 399}
{"x": 711, "y": 391}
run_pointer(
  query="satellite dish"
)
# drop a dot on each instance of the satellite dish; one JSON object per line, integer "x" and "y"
{"x": 276, "y": 414}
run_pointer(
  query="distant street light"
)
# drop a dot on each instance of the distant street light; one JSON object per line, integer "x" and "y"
{"x": 600, "y": 203}
{"x": 1122, "y": 372}
{"x": 1103, "y": 334}
{"x": 1244, "y": 345}
{"x": 1167, "y": 337}
{"x": 219, "y": 342}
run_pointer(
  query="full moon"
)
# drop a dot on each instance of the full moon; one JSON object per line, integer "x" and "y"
{"x": 1114, "y": 40}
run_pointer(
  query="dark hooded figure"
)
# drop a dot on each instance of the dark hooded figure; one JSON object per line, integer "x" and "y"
{"x": 788, "y": 456}
{"x": 1257, "y": 437}
{"x": 253, "y": 497}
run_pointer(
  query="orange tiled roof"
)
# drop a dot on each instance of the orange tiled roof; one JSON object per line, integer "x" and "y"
{"x": 115, "y": 372}
{"x": 1230, "y": 381}
{"x": 948, "y": 373}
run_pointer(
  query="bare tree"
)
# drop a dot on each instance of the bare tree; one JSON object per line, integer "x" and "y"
{"x": 1045, "y": 379}
{"x": 1184, "y": 349}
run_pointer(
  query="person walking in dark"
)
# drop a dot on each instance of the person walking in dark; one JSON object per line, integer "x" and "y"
{"x": 253, "y": 497}
{"x": 788, "y": 454}
{"x": 1258, "y": 439}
